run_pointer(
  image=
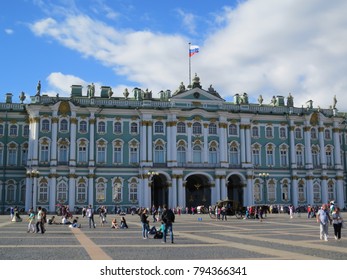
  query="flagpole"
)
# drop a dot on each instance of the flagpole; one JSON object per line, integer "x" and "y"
{"x": 190, "y": 66}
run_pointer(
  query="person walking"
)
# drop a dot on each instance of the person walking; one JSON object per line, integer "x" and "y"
{"x": 323, "y": 219}
{"x": 39, "y": 221}
{"x": 168, "y": 217}
{"x": 31, "y": 220}
{"x": 337, "y": 223}
{"x": 90, "y": 215}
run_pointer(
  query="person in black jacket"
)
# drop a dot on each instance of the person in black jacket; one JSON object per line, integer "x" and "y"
{"x": 145, "y": 224}
{"x": 168, "y": 217}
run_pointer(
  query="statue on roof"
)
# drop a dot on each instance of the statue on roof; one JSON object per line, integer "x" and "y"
{"x": 290, "y": 100}
{"x": 260, "y": 100}
{"x": 91, "y": 90}
{"x": 38, "y": 88}
{"x": 334, "y": 102}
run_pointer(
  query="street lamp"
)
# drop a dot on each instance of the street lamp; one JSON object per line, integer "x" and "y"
{"x": 264, "y": 176}
{"x": 32, "y": 174}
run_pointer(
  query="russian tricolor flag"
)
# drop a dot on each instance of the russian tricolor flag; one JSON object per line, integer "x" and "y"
{"x": 193, "y": 50}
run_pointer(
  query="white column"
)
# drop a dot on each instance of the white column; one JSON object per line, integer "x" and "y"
{"x": 292, "y": 144}
{"x": 173, "y": 197}
{"x": 295, "y": 195}
{"x": 173, "y": 143}
{"x": 216, "y": 190}
{"x": 35, "y": 179}
{"x": 143, "y": 144}
{"x": 28, "y": 193}
{"x": 73, "y": 140}
{"x": 91, "y": 188}
{"x": 223, "y": 187}
{"x": 309, "y": 184}
{"x": 181, "y": 193}
{"x": 35, "y": 128}
{"x": 243, "y": 144}
{"x": 248, "y": 192}
{"x": 223, "y": 145}
{"x": 146, "y": 193}
{"x": 92, "y": 140}
{"x": 169, "y": 143}
{"x": 321, "y": 145}
{"x": 205, "y": 151}
{"x": 324, "y": 184}
{"x": 54, "y": 139}
{"x": 72, "y": 191}
{"x": 248, "y": 144}
{"x": 308, "y": 148}
{"x": 150, "y": 143}
{"x": 339, "y": 190}
{"x": 189, "y": 143}
{"x": 337, "y": 146}
{"x": 52, "y": 192}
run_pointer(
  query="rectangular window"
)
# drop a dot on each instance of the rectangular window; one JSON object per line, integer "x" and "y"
{"x": 101, "y": 154}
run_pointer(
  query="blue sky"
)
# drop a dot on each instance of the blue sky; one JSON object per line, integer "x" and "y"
{"x": 263, "y": 47}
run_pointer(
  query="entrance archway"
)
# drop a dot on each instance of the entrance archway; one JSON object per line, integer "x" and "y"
{"x": 159, "y": 190}
{"x": 198, "y": 191}
{"x": 235, "y": 190}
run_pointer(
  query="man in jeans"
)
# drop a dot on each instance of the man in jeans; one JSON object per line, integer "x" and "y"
{"x": 168, "y": 217}
{"x": 90, "y": 215}
{"x": 323, "y": 219}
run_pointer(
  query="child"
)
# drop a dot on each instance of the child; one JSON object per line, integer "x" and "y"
{"x": 31, "y": 220}
{"x": 114, "y": 224}
{"x": 159, "y": 233}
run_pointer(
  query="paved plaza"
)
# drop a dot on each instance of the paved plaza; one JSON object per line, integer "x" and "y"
{"x": 197, "y": 237}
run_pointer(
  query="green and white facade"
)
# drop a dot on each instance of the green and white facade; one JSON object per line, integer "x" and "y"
{"x": 185, "y": 148}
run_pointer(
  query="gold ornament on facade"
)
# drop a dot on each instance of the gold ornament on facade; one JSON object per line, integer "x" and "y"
{"x": 73, "y": 121}
{"x": 314, "y": 119}
{"x": 64, "y": 108}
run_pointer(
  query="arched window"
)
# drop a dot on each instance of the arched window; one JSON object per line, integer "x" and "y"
{"x": 133, "y": 128}
{"x": 212, "y": 154}
{"x": 197, "y": 154}
{"x": 298, "y": 133}
{"x": 64, "y": 125}
{"x": 100, "y": 191}
{"x": 257, "y": 191}
{"x": 117, "y": 191}
{"x": 43, "y": 192}
{"x": 283, "y": 132}
{"x": 316, "y": 193}
{"x": 62, "y": 192}
{"x": 234, "y": 154}
{"x": 117, "y": 128}
{"x": 197, "y": 129}
{"x": 159, "y": 153}
{"x": 83, "y": 127}
{"x": 159, "y": 127}
{"x": 181, "y": 127}
{"x": 63, "y": 154}
{"x": 301, "y": 192}
{"x": 269, "y": 132}
{"x": 285, "y": 191}
{"x": 212, "y": 129}
{"x": 10, "y": 192}
{"x": 133, "y": 191}
{"x": 101, "y": 127}
{"x": 255, "y": 131}
{"x": 233, "y": 130}
{"x": 313, "y": 133}
{"x": 331, "y": 191}
{"x": 13, "y": 130}
{"x": 181, "y": 154}
{"x": 81, "y": 193}
{"x": 45, "y": 125}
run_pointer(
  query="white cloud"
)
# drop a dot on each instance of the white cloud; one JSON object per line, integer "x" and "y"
{"x": 265, "y": 47}
{"x": 9, "y": 31}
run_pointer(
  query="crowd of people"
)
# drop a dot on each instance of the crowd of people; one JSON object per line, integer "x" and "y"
{"x": 327, "y": 214}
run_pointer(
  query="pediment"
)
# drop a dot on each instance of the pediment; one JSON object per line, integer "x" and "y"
{"x": 197, "y": 94}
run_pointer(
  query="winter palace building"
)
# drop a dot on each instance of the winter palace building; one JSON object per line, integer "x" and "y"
{"x": 184, "y": 148}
